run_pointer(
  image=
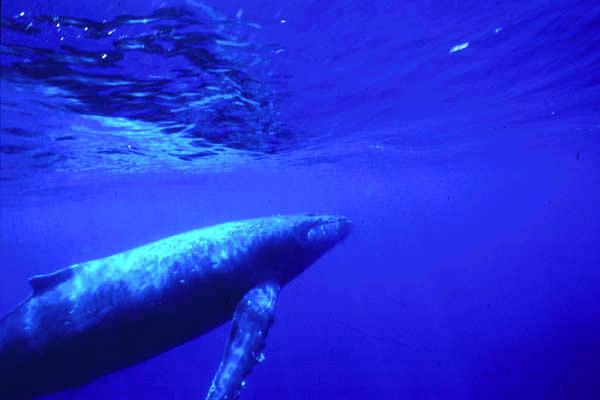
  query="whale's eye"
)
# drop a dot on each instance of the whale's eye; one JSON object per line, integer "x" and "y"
{"x": 322, "y": 232}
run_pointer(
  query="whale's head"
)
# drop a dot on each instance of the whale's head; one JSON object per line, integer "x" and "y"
{"x": 290, "y": 244}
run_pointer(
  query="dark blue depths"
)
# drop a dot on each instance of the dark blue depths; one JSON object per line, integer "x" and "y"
{"x": 460, "y": 137}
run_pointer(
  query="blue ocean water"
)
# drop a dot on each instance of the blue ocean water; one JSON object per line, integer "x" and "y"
{"x": 461, "y": 137}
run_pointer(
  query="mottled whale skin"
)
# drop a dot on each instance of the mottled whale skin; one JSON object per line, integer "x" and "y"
{"x": 103, "y": 315}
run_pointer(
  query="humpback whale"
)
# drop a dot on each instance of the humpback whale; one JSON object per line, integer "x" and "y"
{"x": 99, "y": 316}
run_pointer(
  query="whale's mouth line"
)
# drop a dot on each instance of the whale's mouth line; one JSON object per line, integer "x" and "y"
{"x": 335, "y": 230}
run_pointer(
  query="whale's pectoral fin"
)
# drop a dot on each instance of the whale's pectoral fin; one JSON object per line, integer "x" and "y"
{"x": 251, "y": 322}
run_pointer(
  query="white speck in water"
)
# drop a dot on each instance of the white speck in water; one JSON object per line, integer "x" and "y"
{"x": 497, "y": 30}
{"x": 129, "y": 146}
{"x": 459, "y": 47}
{"x": 86, "y": 28}
{"x": 104, "y": 56}
{"x": 58, "y": 25}
{"x": 111, "y": 31}
{"x": 182, "y": 281}
{"x": 261, "y": 357}
{"x": 29, "y": 26}
{"x": 22, "y": 14}
{"x": 239, "y": 13}
{"x": 62, "y": 38}
{"x": 283, "y": 21}
{"x": 243, "y": 383}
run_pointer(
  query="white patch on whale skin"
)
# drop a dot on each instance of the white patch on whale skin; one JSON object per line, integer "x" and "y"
{"x": 28, "y": 317}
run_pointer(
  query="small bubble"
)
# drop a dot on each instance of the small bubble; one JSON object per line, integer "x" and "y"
{"x": 261, "y": 357}
{"x": 283, "y": 21}
{"x": 243, "y": 383}
{"x": 104, "y": 56}
{"x": 58, "y": 25}
{"x": 22, "y": 14}
{"x": 182, "y": 281}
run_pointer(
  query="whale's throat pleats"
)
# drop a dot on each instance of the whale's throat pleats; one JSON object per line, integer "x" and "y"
{"x": 251, "y": 322}
{"x": 40, "y": 283}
